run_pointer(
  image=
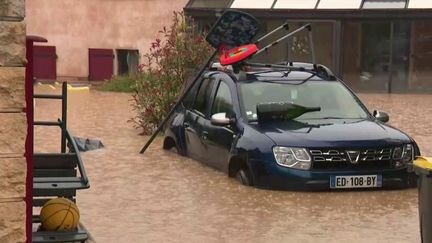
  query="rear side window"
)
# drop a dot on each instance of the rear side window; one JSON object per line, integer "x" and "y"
{"x": 203, "y": 96}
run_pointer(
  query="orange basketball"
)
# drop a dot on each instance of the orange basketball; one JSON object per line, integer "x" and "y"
{"x": 59, "y": 214}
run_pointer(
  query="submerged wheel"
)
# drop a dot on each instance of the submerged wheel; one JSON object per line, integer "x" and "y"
{"x": 170, "y": 144}
{"x": 244, "y": 177}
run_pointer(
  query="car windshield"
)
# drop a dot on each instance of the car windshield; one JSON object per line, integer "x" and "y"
{"x": 334, "y": 99}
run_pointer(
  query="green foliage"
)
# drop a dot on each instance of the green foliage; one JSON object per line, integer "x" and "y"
{"x": 168, "y": 64}
{"x": 120, "y": 83}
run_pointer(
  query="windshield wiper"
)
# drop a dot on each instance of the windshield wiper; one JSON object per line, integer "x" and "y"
{"x": 333, "y": 117}
{"x": 330, "y": 117}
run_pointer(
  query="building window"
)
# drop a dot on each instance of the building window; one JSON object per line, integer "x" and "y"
{"x": 252, "y": 4}
{"x": 384, "y": 4}
{"x": 388, "y": 56}
{"x": 210, "y": 3}
{"x": 419, "y": 4}
{"x": 339, "y": 4}
{"x": 127, "y": 61}
{"x": 420, "y": 70}
{"x": 296, "y": 4}
{"x": 400, "y": 56}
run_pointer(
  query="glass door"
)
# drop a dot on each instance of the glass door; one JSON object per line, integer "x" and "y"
{"x": 400, "y": 57}
{"x": 375, "y": 56}
{"x": 421, "y": 56}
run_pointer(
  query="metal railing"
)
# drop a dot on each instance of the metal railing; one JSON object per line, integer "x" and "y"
{"x": 63, "y": 122}
{"x": 66, "y": 137}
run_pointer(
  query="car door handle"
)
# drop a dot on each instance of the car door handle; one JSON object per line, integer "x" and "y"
{"x": 204, "y": 135}
{"x": 188, "y": 128}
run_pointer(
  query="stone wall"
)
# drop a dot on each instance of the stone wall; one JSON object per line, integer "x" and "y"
{"x": 13, "y": 124}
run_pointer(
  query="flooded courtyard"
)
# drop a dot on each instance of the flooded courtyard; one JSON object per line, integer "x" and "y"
{"x": 163, "y": 197}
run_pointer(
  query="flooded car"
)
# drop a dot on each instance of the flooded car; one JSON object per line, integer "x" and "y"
{"x": 290, "y": 130}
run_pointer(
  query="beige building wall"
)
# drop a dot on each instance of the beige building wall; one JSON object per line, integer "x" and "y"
{"x": 74, "y": 26}
{"x": 13, "y": 124}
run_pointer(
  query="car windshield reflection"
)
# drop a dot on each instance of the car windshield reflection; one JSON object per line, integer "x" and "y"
{"x": 334, "y": 99}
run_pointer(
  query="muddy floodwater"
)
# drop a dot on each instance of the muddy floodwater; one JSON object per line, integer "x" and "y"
{"x": 163, "y": 197}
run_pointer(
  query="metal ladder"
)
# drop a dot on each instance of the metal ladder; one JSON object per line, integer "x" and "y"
{"x": 55, "y": 175}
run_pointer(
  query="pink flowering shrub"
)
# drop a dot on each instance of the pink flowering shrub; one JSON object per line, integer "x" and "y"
{"x": 171, "y": 60}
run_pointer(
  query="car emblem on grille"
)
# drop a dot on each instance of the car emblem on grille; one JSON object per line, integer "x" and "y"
{"x": 353, "y": 156}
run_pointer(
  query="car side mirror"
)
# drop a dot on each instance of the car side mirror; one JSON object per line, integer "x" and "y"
{"x": 381, "y": 116}
{"x": 220, "y": 119}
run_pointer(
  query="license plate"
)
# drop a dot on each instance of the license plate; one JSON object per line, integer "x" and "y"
{"x": 360, "y": 181}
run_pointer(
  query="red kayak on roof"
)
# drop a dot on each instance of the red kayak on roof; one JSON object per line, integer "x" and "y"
{"x": 238, "y": 54}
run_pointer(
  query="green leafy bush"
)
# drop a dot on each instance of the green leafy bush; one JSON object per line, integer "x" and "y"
{"x": 120, "y": 83}
{"x": 169, "y": 63}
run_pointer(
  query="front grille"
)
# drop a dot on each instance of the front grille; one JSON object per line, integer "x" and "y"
{"x": 334, "y": 159}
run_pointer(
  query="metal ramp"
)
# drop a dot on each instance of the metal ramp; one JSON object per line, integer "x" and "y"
{"x": 58, "y": 175}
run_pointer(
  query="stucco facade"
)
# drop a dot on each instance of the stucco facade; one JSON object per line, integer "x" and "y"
{"x": 13, "y": 121}
{"x": 74, "y": 26}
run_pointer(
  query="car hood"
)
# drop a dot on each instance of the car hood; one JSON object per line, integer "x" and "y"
{"x": 332, "y": 133}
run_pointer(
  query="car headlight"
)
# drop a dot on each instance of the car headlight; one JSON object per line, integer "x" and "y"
{"x": 296, "y": 158}
{"x": 403, "y": 155}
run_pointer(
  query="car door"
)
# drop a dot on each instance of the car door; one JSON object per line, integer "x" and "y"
{"x": 195, "y": 119}
{"x": 219, "y": 139}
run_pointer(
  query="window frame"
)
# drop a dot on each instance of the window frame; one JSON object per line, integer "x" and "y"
{"x": 194, "y": 95}
{"x": 208, "y": 106}
{"x": 220, "y": 81}
{"x": 384, "y": 3}
{"x": 192, "y": 2}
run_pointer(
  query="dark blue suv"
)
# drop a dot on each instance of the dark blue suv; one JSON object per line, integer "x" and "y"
{"x": 285, "y": 129}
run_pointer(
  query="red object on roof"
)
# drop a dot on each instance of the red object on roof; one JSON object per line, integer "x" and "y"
{"x": 238, "y": 54}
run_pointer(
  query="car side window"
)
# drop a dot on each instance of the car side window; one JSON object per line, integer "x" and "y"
{"x": 203, "y": 97}
{"x": 190, "y": 97}
{"x": 223, "y": 100}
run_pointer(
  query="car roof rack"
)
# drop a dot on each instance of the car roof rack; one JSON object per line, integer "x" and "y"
{"x": 240, "y": 64}
{"x": 317, "y": 69}
{"x": 247, "y": 67}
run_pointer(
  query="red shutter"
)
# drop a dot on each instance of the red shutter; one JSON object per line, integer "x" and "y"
{"x": 45, "y": 60}
{"x": 101, "y": 64}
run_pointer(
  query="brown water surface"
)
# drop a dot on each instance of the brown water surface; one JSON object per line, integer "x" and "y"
{"x": 163, "y": 197}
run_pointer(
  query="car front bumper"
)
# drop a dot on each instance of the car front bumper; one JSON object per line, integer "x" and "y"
{"x": 269, "y": 175}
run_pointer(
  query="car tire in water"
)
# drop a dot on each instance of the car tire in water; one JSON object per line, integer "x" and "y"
{"x": 244, "y": 177}
{"x": 169, "y": 144}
